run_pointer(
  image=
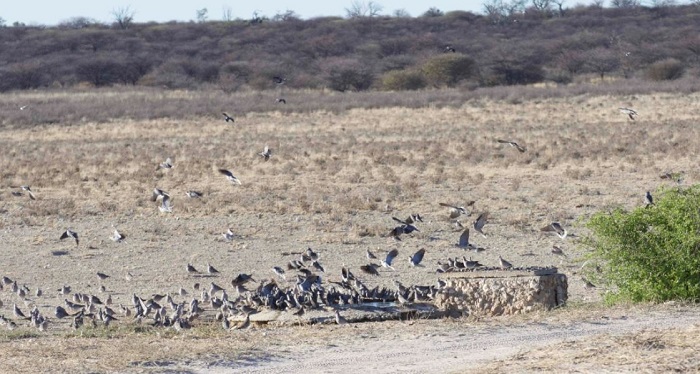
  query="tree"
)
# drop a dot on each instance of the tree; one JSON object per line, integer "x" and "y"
{"x": 499, "y": 11}
{"x": 433, "y": 12}
{"x": 403, "y": 13}
{"x": 602, "y": 61}
{"x": 202, "y": 15}
{"x": 361, "y": 9}
{"x": 227, "y": 14}
{"x": 449, "y": 69}
{"x": 287, "y": 15}
{"x": 560, "y": 6}
{"x": 2, "y": 22}
{"x": 625, "y": 4}
{"x": 123, "y": 17}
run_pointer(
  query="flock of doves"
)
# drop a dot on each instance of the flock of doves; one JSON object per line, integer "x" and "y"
{"x": 229, "y": 306}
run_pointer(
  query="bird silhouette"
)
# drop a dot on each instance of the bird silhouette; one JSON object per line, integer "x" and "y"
{"x": 228, "y": 118}
{"x": 266, "y": 153}
{"x": 480, "y": 222}
{"x": 417, "y": 257}
{"x": 70, "y": 234}
{"x": 390, "y": 258}
{"x": 556, "y": 228}
{"x": 648, "y": 199}
{"x": 631, "y": 113}
{"x": 229, "y": 175}
{"x": 512, "y": 144}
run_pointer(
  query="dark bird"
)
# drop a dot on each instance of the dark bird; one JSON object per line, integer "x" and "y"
{"x": 648, "y": 199}
{"x": 278, "y": 79}
{"x": 242, "y": 279}
{"x": 211, "y": 269}
{"x": 266, "y": 153}
{"x": 191, "y": 269}
{"x": 228, "y": 118}
{"x": 102, "y": 276}
{"x": 390, "y": 258}
{"x": 417, "y": 257}
{"x": 370, "y": 269}
{"x": 281, "y": 101}
{"x": 556, "y": 228}
{"x": 370, "y": 255}
{"x": 450, "y": 49}
{"x": 72, "y": 234}
{"x": 464, "y": 242}
{"x": 229, "y": 175}
{"x": 512, "y": 144}
{"x": 631, "y": 113}
{"x": 480, "y": 222}
{"x": 60, "y": 312}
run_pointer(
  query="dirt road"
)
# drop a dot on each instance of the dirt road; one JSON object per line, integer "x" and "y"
{"x": 450, "y": 348}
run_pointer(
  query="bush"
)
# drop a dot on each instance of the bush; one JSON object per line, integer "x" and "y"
{"x": 449, "y": 69}
{"x": 350, "y": 78}
{"x": 651, "y": 253}
{"x": 401, "y": 80}
{"x": 668, "y": 69}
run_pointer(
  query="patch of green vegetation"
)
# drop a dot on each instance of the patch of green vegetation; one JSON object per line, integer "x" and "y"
{"x": 651, "y": 253}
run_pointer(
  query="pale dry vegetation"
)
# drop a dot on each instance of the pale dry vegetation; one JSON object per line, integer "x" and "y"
{"x": 333, "y": 183}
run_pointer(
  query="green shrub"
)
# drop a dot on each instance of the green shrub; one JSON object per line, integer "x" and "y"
{"x": 650, "y": 253}
{"x": 449, "y": 69}
{"x": 399, "y": 80}
{"x": 664, "y": 70}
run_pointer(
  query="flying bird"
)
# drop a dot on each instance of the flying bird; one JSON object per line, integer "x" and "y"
{"x": 450, "y": 49}
{"x": 29, "y": 191}
{"x": 228, "y": 118}
{"x": 464, "y": 241}
{"x": 556, "y": 228}
{"x": 281, "y": 101}
{"x": 193, "y": 194}
{"x": 158, "y": 193}
{"x": 70, "y": 233}
{"x": 370, "y": 255}
{"x": 417, "y": 257}
{"x": 266, "y": 153}
{"x": 629, "y": 112}
{"x": 390, "y": 258}
{"x": 117, "y": 236}
{"x": 167, "y": 164}
{"x": 456, "y": 211}
{"x": 278, "y": 79}
{"x": 23, "y": 107}
{"x": 370, "y": 269}
{"x": 165, "y": 206}
{"x": 229, "y": 175}
{"x": 512, "y": 144}
{"x": 480, "y": 222}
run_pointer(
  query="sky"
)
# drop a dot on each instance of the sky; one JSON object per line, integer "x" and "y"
{"x": 52, "y": 12}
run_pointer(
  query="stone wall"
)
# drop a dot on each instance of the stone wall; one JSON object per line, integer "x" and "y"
{"x": 501, "y": 295}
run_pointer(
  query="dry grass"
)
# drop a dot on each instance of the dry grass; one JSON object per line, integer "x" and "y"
{"x": 333, "y": 183}
{"x": 650, "y": 351}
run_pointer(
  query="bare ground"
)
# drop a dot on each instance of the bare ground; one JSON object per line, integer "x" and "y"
{"x": 333, "y": 184}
